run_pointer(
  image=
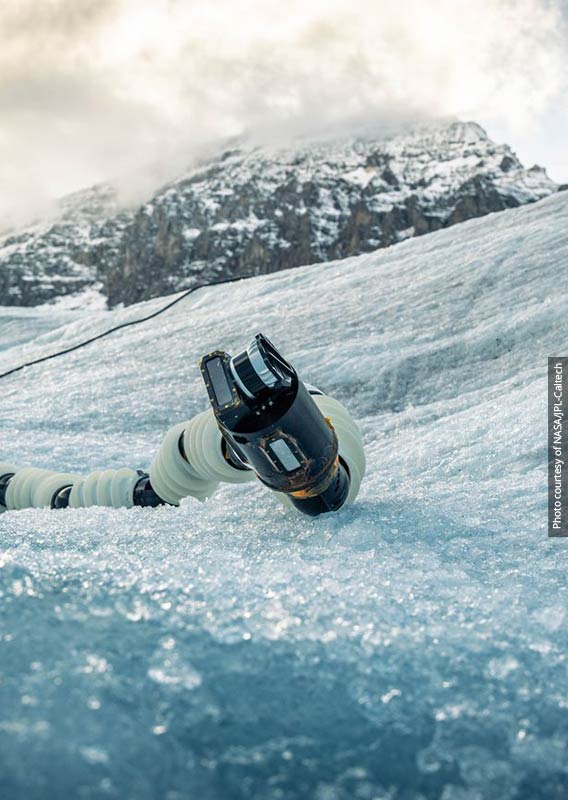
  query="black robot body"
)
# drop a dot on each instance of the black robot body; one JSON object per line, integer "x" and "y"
{"x": 271, "y": 424}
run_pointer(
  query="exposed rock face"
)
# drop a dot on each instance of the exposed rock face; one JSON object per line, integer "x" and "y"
{"x": 253, "y": 211}
{"x": 64, "y": 256}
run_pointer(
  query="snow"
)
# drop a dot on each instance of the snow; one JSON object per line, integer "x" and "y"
{"x": 191, "y": 233}
{"x": 90, "y": 299}
{"x": 410, "y": 646}
{"x": 361, "y": 175}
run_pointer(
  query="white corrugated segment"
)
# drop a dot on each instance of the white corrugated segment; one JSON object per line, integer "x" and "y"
{"x": 35, "y": 488}
{"x": 112, "y": 488}
{"x": 349, "y": 439}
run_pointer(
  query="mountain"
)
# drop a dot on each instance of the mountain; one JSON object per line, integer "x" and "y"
{"x": 259, "y": 210}
{"x": 412, "y": 646}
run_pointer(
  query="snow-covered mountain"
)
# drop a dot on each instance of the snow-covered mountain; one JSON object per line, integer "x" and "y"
{"x": 410, "y": 647}
{"x": 259, "y": 210}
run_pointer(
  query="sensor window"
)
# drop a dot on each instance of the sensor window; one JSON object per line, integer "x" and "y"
{"x": 284, "y": 454}
{"x": 219, "y": 383}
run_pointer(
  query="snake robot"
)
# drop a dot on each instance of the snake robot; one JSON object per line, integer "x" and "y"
{"x": 264, "y": 424}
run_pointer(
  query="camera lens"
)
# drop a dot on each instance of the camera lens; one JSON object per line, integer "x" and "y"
{"x": 261, "y": 367}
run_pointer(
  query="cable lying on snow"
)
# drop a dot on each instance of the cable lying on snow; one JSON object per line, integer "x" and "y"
{"x": 264, "y": 423}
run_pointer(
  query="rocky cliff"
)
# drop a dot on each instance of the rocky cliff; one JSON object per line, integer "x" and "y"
{"x": 257, "y": 210}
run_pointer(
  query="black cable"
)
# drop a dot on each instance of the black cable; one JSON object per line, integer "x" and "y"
{"x": 119, "y": 327}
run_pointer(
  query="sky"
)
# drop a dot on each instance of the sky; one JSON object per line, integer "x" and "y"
{"x": 133, "y": 90}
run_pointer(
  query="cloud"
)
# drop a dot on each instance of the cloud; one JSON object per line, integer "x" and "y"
{"x": 99, "y": 89}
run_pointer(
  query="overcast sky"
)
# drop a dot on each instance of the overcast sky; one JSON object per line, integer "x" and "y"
{"x": 96, "y": 89}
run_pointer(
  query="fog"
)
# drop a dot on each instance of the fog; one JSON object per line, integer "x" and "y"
{"x": 132, "y": 90}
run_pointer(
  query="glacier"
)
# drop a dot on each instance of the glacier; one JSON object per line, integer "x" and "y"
{"x": 411, "y": 646}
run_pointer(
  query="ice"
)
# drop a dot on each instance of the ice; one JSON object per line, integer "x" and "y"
{"x": 410, "y": 646}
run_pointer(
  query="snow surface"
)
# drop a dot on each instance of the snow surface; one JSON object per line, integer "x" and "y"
{"x": 410, "y": 646}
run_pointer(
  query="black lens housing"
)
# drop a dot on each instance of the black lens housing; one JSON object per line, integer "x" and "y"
{"x": 271, "y": 421}
{"x": 261, "y": 369}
